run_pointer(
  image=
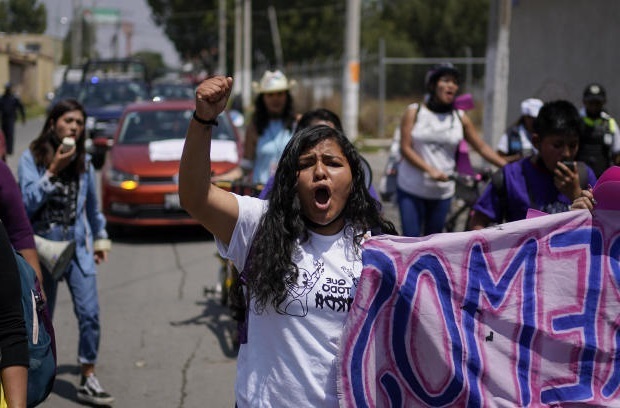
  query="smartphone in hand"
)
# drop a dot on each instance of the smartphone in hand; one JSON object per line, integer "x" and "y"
{"x": 570, "y": 164}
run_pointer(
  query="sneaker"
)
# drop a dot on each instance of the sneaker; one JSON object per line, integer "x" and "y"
{"x": 91, "y": 391}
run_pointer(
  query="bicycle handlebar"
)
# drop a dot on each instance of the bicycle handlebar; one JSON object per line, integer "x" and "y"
{"x": 479, "y": 176}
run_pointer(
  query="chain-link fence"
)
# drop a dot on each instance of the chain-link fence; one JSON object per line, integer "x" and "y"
{"x": 386, "y": 86}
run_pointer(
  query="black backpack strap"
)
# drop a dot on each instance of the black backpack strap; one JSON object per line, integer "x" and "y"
{"x": 499, "y": 185}
{"x": 582, "y": 170}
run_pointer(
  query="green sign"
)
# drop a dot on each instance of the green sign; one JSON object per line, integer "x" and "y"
{"x": 100, "y": 15}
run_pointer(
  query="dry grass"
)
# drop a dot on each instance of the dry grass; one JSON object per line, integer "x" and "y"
{"x": 369, "y": 111}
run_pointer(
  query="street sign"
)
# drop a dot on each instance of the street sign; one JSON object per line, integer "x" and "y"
{"x": 101, "y": 15}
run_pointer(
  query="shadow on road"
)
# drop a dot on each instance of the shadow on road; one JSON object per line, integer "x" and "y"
{"x": 216, "y": 318}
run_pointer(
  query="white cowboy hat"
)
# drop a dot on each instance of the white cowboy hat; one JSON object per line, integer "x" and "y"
{"x": 273, "y": 81}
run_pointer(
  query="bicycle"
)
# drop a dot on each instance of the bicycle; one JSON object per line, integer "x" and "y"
{"x": 468, "y": 189}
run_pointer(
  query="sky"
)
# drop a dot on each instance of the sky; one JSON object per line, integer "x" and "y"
{"x": 146, "y": 37}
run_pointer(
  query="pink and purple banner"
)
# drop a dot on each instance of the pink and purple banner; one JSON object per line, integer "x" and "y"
{"x": 522, "y": 314}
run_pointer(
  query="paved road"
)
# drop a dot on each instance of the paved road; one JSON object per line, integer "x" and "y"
{"x": 164, "y": 343}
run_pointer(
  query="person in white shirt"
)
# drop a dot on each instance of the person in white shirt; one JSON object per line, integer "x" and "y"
{"x": 299, "y": 254}
{"x": 430, "y": 136}
{"x": 516, "y": 143}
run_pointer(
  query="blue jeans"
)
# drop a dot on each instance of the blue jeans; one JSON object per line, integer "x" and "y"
{"x": 421, "y": 216}
{"x": 83, "y": 289}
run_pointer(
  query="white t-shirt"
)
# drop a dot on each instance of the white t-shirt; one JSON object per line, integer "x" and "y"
{"x": 290, "y": 358}
{"x": 526, "y": 143}
{"x": 435, "y": 137}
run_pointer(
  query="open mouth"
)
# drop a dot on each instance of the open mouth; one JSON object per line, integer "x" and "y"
{"x": 321, "y": 195}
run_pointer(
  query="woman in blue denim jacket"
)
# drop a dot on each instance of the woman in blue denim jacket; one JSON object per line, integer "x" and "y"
{"x": 58, "y": 186}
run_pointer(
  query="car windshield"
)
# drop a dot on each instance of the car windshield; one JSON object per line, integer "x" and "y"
{"x": 67, "y": 90}
{"x": 150, "y": 126}
{"x": 112, "y": 93}
{"x": 172, "y": 91}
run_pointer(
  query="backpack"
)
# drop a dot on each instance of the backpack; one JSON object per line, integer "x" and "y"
{"x": 388, "y": 184}
{"x": 514, "y": 141}
{"x": 41, "y": 343}
{"x": 497, "y": 180}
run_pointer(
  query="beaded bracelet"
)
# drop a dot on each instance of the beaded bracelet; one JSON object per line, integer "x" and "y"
{"x": 210, "y": 122}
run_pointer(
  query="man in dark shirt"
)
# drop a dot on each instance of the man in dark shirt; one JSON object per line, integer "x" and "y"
{"x": 10, "y": 106}
{"x": 599, "y": 143}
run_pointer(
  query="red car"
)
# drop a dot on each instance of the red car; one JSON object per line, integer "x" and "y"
{"x": 139, "y": 180}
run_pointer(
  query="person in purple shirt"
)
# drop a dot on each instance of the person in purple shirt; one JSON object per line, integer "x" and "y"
{"x": 13, "y": 215}
{"x": 13, "y": 340}
{"x": 548, "y": 181}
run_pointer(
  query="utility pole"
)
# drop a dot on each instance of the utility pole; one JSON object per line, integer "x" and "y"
{"x": 238, "y": 73}
{"x": 275, "y": 36}
{"x": 351, "y": 75}
{"x": 76, "y": 33}
{"x": 246, "y": 91}
{"x": 115, "y": 39}
{"x": 127, "y": 27}
{"x": 221, "y": 52}
{"x": 497, "y": 66}
{"x": 381, "y": 87}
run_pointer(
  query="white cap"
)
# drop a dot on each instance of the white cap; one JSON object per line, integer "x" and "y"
{"x": 531, "y": 106}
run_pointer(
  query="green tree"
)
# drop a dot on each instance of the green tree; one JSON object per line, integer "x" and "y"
{"x": 315, "y": 30}
{"x": 154, "y": 62}
{"x": 88, "y": 41}
{"x": 308, "y": 30}
{"x": 441, "y": 28}
{"x": 192, "y": 31}
{"x": 419, "y": 28}
{"x": 23, "y": 16}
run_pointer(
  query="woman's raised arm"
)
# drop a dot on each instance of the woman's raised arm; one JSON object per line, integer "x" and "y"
{"x": 215, "y": 208}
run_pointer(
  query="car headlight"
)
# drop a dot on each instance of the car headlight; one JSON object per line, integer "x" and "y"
{"x": 126, "y": 181}
{"x": 90, "y": 123}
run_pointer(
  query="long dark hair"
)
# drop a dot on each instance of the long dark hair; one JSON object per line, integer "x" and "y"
{"x": 261, "y": 115}
{"x": 45, "y": 145}
{"x": 270, "y": 265}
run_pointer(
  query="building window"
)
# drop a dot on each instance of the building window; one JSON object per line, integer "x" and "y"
{"x": 33, "y": 47}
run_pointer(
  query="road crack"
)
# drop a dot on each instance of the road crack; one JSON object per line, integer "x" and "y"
{"x": 184, "y": 371}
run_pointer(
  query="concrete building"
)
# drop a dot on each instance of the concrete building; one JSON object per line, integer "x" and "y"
{"x": 28, "y": 62}
{"x": 557, "y": 47}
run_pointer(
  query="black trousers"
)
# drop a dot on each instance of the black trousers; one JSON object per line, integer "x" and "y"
{"x": 8, "y": 128}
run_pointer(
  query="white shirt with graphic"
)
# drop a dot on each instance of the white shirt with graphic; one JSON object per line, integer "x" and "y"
{"x": 290, "y": 358}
